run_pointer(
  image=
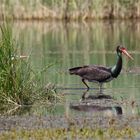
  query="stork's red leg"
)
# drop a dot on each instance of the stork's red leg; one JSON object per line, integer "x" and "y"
{"x": 83, "y": 96}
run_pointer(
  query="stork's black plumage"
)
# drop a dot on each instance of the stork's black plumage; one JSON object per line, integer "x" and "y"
{"x": 100, "y": 74}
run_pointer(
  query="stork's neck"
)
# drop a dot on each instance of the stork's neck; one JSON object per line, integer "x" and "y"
{"x": 115, "y": 70}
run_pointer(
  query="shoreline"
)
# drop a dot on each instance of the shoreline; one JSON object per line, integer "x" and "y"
{"x": 70, "y": 10}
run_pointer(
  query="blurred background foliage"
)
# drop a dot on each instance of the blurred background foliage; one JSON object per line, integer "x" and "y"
{"x": 70, "y": 9}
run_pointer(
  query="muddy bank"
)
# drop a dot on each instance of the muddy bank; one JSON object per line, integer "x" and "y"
{"x": 34, "y": 127}
{"x": 39, "y": 122}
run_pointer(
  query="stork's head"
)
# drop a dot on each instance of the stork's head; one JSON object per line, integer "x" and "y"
{"x": 123, "y": 50}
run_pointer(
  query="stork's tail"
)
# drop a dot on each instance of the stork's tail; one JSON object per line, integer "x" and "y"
{"x": 74, "y": 70}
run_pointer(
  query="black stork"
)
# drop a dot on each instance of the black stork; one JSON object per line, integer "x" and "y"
{"x": 100, "y": 74}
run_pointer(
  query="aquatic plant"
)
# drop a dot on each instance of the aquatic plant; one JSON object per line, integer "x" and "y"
{"x": 19, "y": 83}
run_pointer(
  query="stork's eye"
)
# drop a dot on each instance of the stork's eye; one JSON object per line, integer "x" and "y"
{"x": 122, "y": 49}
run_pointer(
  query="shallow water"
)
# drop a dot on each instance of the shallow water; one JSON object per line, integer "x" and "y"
{"x": 75, "y": 44}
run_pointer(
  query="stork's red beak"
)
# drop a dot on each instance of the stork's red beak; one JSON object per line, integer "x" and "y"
{"x": 126, "y": 53}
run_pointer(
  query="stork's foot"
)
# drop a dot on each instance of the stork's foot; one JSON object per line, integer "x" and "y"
{"x": 83, "y": 96}
{"x": 100, "y": 91}
{"x": 100, "y": 88}
{"x": 81, "y": 100}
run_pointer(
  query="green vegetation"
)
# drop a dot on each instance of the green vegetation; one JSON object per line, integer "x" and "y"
{"x": 19, "y": 84}
{"x": 71, "y": 133}
{"x": 70, "y": 9}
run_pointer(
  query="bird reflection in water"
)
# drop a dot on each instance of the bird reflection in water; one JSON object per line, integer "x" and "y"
{"x": 102, "y": 103}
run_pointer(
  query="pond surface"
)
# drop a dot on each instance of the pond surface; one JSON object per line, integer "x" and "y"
{"x": 66, "y": 45}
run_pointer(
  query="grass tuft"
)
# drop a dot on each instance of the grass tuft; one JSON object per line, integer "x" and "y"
{"x": 19, "y": 84}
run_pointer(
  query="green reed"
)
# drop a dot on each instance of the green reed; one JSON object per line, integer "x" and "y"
{"x": 70, "y": 9}
{"x": 19, "y": 84}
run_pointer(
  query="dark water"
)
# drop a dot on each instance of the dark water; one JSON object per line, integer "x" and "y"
{"x": 75, "y": 44}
